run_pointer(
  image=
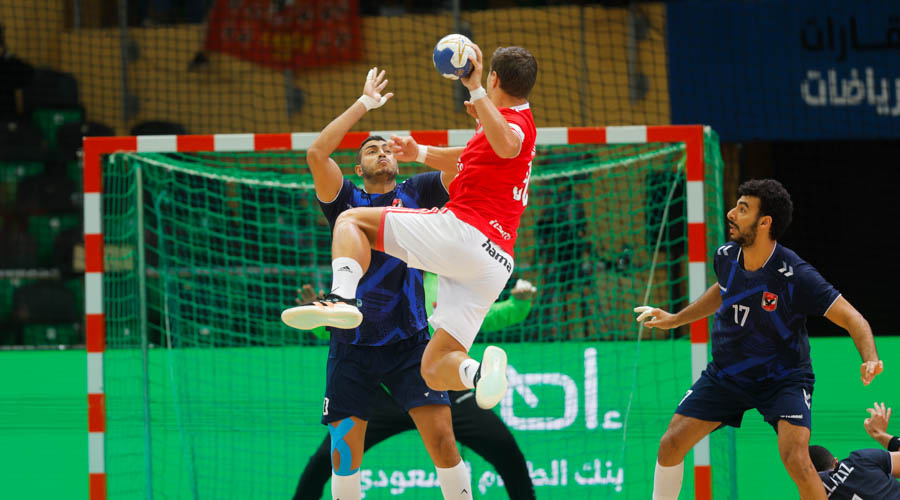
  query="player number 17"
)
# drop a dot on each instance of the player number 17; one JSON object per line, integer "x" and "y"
{"x": 740, "y": 314}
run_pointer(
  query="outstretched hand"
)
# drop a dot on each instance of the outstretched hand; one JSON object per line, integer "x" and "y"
{"x": 876, "y": 425}
{"x": 653, "y": 317}
{"x": 470, "y": 109}
{"x": 375, "y": 83}
{"x": 869, "y": 369}
{"x": 307, "y": 294}
{"x": 524, "y": 290}
{"x": 404, "y": 148}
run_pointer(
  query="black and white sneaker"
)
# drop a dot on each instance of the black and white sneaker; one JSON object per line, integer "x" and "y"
{"x": 330, "y": 310}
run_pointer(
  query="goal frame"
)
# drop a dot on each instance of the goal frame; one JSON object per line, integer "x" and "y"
{"x": 95, "y": 321}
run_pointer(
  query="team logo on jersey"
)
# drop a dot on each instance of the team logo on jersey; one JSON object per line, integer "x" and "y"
{"x": 397, "y": 202}
{"x": 769, "y": 301}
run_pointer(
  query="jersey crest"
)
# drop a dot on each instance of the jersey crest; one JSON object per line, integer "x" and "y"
{"x": 769, "y": 301}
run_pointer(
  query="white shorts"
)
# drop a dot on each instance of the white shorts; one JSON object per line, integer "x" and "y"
{"x": 472, "y": 270}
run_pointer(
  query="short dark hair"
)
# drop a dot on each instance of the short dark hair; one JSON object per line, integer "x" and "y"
{"x": 822, "y": 459}
{"x": 361, "y": 146}
{"x": 517, "y": 70}
{"x": 774, "y": 201}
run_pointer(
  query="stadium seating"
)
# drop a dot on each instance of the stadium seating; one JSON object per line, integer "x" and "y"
{"x": 158, "y": 128}
{"x": 48, "y": 313}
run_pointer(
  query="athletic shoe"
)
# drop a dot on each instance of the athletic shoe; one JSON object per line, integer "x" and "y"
{"x": 330, "y": 310}
{"x": 491, "y": 385}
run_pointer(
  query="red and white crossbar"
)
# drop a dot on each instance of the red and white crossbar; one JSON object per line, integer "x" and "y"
{"x": 96, "y": 147}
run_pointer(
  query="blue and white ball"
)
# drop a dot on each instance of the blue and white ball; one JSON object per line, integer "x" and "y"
{"x": 451, "y": 56}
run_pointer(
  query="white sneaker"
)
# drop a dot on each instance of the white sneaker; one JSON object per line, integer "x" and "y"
{"x": 491, "y": 387}
{"x": 330, "y": 310}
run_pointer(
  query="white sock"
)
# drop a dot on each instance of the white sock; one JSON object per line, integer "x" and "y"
{"x": 455, "y": 482}
{"x": 667, "y": 481}
{"x": 467, "y": 371}
{"x": 346, "y": 487}
{"x": 346, "y": 274}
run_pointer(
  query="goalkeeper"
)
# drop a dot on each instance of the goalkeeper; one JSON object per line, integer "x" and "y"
{"x": 480, "y": 430}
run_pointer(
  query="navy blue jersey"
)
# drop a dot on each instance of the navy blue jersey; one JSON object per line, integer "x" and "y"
{"x": 759, "y": 333}
{"x": 393, "y": 300}
{"x": 863, "y": 475}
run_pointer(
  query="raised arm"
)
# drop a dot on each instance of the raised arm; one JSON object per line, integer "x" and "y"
{"x": 847, "y": 317}
{"x": 707, "y": 304}
{"x": 502, "y": 139}
{"x": 406, "y": 149}
{"x": 327, "y": 176}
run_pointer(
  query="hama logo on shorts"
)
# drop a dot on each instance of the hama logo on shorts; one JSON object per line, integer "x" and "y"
{"x": 769, "y": 301}
{"x": 497, "y": 255}
{"x": 325, "y": 407}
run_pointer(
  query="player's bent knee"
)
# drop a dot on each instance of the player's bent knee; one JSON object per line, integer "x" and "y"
{"x": 671, "y": 450}
{"x": 346, "y": 217}
{"x": 341, "y": 454}
{"x": 797, "y": 462}
{"x": 430, "y": 375}
{"x": 444, "y": 447}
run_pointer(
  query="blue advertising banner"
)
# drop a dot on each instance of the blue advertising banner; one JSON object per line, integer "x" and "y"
{"x": 779, "y": 69}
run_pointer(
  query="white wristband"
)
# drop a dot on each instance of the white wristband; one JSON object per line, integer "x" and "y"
{"x": 371, "y": 103}
{"x": 476, "y": 94}
{"x": 423, "y": 153}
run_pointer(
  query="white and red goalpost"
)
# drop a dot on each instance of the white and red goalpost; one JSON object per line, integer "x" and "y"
{"x": 692, "y": 136}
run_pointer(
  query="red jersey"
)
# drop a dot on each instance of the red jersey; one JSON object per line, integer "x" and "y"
{"x": 490, "y": 193}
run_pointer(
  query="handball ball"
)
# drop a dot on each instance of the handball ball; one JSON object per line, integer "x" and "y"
{"x": 451, "y": 56}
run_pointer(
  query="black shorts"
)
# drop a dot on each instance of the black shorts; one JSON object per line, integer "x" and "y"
{"x": 355, "y": 373}
{"x": 716, "y": 399}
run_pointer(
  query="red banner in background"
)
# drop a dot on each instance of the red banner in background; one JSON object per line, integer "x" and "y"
{"x": 286, "y": 34}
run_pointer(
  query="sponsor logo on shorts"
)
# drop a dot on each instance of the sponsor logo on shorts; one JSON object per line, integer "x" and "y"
{"x": 807, "y": 398}
{"x": 325, "y": 407}
{"x": 791, "y": 416}
{"x": 497, "y": 255}
{"x": 688, "y": 393}
{"x": 496, "y": 225}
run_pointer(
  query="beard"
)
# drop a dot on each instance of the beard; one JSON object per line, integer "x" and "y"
{"x": 744, "y": 238}
{"x": 387, "y": 173}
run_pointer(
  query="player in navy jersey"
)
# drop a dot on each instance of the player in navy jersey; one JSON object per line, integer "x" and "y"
{"x": 865, "y": 474}
{"x": 386, "y": 348}
{"x": 760, "y": 347}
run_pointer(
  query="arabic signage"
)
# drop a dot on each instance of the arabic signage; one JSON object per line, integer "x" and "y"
{"x": 805, "y": 69}
{"x": 566, "y": 407}
{"x": 286, "y": 35}
{"x": 586, "y": 416}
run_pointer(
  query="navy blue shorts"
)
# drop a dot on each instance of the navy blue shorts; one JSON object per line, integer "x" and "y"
{"x": 355, "y": 373}
{"x": 719, "y": 400}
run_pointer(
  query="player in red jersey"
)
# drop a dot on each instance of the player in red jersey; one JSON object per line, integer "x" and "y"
{"x": 468, "y": 244}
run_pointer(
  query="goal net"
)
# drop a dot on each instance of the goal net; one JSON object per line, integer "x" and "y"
{"x": 198, "y": 390}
